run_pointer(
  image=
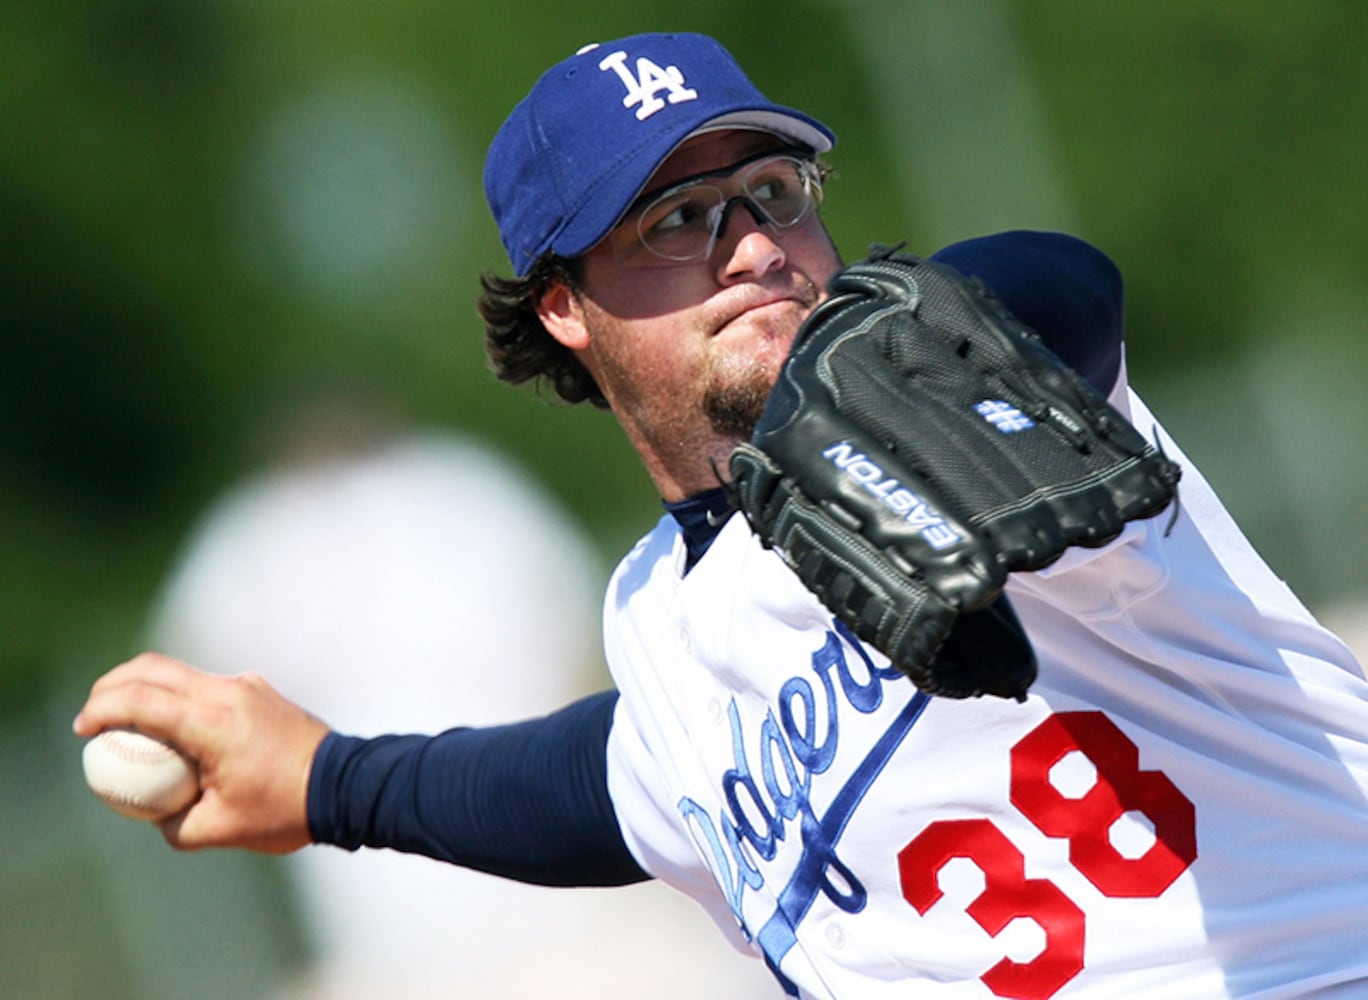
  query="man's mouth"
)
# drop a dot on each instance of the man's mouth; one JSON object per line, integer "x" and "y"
{"x": 757, "y": 306}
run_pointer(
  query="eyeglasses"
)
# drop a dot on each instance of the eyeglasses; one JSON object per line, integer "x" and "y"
{"x": 683, "y": 222}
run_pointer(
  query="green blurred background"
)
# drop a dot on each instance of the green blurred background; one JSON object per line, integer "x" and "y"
{"x": 208, "y": 204}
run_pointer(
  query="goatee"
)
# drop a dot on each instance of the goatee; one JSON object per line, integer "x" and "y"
{"x": 733, "y": 410}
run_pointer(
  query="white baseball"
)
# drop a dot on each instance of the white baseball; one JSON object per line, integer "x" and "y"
{"x": 139, "y": 776}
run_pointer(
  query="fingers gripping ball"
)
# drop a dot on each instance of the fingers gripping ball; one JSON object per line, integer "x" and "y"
{"x": 920, "y": 444}
{"x": 139, "y": 776}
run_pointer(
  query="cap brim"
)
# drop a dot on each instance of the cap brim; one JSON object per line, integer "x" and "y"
{"x": 790, "y": 125}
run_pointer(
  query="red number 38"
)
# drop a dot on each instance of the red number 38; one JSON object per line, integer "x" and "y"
{"x": 1085, "y": 821}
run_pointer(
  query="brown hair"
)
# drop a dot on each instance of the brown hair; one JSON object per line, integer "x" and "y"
{"x": 518, "y": 347}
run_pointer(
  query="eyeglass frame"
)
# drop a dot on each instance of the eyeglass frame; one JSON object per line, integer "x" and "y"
{"x": 810, "y": 171}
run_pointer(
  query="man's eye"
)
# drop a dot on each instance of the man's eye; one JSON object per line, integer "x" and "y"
{"x": 680, "y": 215}
{"x": 770, "y": 189}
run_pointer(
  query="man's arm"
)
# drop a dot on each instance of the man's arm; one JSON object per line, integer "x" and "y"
{"x": 529, "y": 800}
{"x": 1065, "y": 289}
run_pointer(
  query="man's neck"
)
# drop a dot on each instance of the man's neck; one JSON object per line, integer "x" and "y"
{"x": 700, "y": 519}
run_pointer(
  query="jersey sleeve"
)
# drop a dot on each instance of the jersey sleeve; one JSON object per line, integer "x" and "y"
{"x": 1064, "y": 288}
{"x": 528, "y": 801}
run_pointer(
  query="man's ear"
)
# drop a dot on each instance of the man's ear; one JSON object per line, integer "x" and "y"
{"x": 562, "y": 313}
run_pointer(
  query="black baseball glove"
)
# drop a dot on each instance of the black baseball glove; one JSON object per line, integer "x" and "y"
{"x": 920, "y": 444}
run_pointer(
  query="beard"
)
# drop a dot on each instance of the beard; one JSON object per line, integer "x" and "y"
{"x": 733, "y": 404}
{"x": 735, "y": 389}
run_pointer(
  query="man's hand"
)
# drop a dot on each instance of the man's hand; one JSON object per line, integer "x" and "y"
{"x": 254, "y": 749}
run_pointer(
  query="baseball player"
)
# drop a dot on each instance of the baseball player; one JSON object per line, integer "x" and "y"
{"x": 1172, "y": 802}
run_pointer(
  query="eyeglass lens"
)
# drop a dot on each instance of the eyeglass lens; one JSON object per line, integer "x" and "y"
{"x": 682, "y": 224}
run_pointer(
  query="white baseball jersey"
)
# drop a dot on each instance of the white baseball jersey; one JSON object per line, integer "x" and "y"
{"x": 1180, "y": 808}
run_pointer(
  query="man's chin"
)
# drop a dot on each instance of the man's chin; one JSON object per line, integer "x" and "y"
{"x": 733, "y": 410}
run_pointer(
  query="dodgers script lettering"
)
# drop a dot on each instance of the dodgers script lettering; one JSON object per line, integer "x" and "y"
{"x": 769, "y": 788}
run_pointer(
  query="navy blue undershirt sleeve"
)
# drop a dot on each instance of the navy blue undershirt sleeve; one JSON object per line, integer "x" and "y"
{"x": 1064, "y": 288}
{"x": 528, "y": 801}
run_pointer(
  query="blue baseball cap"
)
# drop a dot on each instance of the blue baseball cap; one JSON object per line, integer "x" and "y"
{"x": 578, "y": 150}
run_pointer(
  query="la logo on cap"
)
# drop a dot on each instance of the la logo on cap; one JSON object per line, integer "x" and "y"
{"x": 650, "y": 81}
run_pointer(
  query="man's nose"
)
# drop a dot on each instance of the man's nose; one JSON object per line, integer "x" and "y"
{"x": 747, "y": 241}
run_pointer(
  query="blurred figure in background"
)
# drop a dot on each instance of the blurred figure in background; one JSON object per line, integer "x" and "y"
{"x": 414, "y": 581}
